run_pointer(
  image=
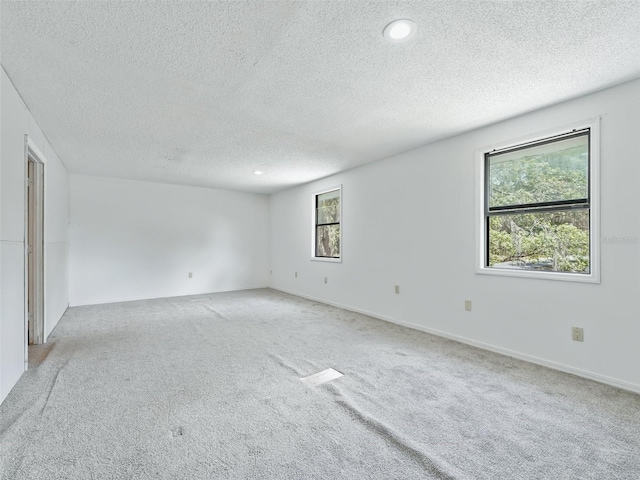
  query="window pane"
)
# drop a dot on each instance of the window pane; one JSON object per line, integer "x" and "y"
{"x": 557, "y": 242}
{"x": 543, "y": 173}
{"x": 329, "y": 214}
{"x": 328, "y": 207}
{"x": 328, "y": 241}
{"x": 327, "y": 196}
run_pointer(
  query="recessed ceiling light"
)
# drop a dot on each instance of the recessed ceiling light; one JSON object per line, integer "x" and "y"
{"x": 258, "y": 172}
{"x": 400, "y": 30}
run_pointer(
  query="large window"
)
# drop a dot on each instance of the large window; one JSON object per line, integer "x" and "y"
{"x": 538, "y": 209}
{"x": 327, "y": 224}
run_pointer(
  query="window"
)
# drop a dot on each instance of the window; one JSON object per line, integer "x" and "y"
{"x": 538, "y": 214}
{"x": 327, "y": 213}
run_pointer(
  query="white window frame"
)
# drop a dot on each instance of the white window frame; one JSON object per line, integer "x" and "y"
{"x": 313, "y": 226}
{"x": 593, "y": 276}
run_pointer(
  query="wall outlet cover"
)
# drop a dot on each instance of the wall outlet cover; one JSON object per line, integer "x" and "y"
{"x": 577, "y": 334}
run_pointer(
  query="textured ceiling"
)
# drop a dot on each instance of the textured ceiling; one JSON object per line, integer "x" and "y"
{"x": 204, "y": 93}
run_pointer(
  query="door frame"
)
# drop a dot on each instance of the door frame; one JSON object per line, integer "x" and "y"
{"x": 34, "y": 156}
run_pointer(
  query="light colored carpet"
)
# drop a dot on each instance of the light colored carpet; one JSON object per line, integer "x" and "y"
{"x": 207, "y": 387}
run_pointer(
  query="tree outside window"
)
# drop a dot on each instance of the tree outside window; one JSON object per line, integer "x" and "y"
{"x": 327, "y": 224}
{"x": 537, "y": 205}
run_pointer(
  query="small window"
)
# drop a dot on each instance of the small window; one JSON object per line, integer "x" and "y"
{"x": 538, "y": 210}
{"x": 327, "y": 224}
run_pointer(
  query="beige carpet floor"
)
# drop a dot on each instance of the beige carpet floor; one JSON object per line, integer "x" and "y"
{"x": 207, "y": 387}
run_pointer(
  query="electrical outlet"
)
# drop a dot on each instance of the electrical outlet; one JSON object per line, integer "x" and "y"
{"x": 296, "y": 274}
{"x": 190, "y": 274}
{"x": 577, "y": 334}
{"x": 398, "y": 289}
{"x": 467, "y": 305}
{"x": 325, "y": 279}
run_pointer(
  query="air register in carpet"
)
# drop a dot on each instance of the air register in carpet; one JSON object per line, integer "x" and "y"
{"x": 321, "y": 377}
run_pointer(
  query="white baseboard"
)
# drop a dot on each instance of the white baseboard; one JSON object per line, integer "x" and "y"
{"x": 615, "y": 382}
{"x": 135, "y": 298}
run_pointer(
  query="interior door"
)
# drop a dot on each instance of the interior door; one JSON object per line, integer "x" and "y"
{"x": 31, "y": 242}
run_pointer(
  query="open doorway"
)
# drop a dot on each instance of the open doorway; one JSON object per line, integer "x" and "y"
{"x": 34, "y": 248}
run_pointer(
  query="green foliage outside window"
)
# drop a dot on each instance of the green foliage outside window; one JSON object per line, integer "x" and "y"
{"x": 328, "y": 224}
{"x": 550, "y": 240}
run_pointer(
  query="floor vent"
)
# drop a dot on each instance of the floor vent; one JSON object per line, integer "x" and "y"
{"x": 321, "y": 377}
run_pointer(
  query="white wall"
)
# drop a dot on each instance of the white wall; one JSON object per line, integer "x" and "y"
{"x": 2, "y": 121}
{"x": 16, "y": 122}
{"x": 409, "y": 220}
{"x": 136, "y": 240}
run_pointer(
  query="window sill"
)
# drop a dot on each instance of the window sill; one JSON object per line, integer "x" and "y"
{"x": 326, "y": 259}
{"x": 563, "y": 277}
